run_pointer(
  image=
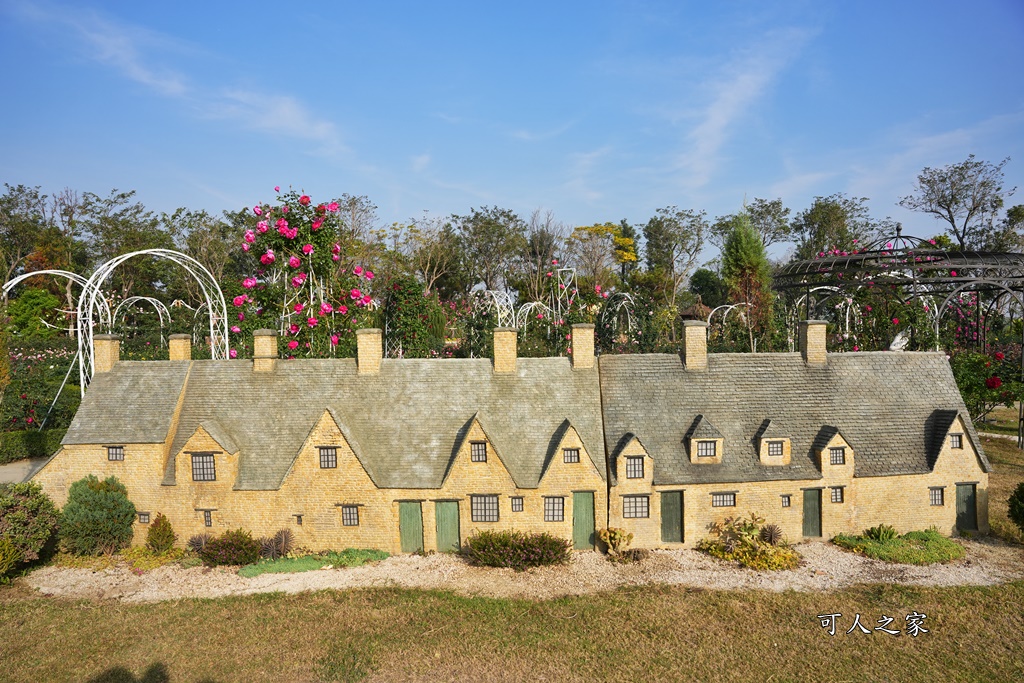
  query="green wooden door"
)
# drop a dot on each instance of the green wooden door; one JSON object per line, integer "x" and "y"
{"x": 583, "y": 520}
{"x": 966, "y": 507}
{"x": 672, "y": 516}
{"x": 812, "y": 512}
{"x": 410, "y": 526}
{"x": 447, "y": 514}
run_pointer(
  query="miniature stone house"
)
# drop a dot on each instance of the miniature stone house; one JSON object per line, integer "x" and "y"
{"x": 416, "y": 454}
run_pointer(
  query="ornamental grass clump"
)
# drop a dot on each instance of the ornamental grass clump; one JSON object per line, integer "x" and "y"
{"x": 236, "y": 547}
{"x": 752, "y": 545}
{"x": 97, "y": 518}
{"x": 515, "y": 549}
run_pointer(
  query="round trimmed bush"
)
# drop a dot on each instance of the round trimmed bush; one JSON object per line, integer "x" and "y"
{"x": 28, "y": 518}
{"x": 231, "y": 547}
{"x": 515, "y": 549}
{"x": 161, "y": 536}
{"x": 97, "y": 518}
{"x": 1016, "y": 504}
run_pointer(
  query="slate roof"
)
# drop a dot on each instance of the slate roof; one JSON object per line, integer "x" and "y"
{"x": 404, "y": 423}
{"x": 893, "y": 408}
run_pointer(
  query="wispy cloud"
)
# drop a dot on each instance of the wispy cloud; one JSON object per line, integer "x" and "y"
{"x": 733, "y": 90}
{"x": 277, "y": 114}
{"x": 537, "y": 136}
{"x": 420, "y": 162}
{"x": 581, "y": 165}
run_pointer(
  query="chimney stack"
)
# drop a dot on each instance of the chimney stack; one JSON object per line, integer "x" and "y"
{"x": 812, "y": 341}
{"x": 180, "y": 346}
{"x": 505, "y": 349}
{"x": 106, "y": 351}
{"x": 695, "y": 345}
{"x": 369, "y": 350}
{"x": 582, "y": 346}
{"x": 264, "y": 350}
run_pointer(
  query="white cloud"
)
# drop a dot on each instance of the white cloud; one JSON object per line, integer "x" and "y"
{"x": 532, "y": 136}
{"x": 420, "y": 162}
{"x": 277, "y": 114}
{"x": 581, "y": 171}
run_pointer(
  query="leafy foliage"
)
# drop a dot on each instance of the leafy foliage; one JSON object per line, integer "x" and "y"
{"x": 986, "y": 381}
{"x": 515, "y": 549}
{"x": 198, "y": 542}
{"x": 740, "y": 540}
{"x": 29, "y": 444}
{"x": 28, "y": 518}
{"x": 913, "y": 547}
{"x": 97, "y": 518}
{"x": 882, "y": 532}
{"x": 161, "y": 537}
{"x": 350, "y": 557}
{"x": 10, "y": 557}
{"x": 276, "y": 546}
{"x": 1016, "y": 506}
{"x": 236, "y": 547}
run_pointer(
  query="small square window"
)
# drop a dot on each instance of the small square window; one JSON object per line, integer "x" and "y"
{"x": 208, "y": 517}
{"x": 115, "y": 452}
{"x": 786, "y": 501}
{"x": 478, "y": 451}
{"x": 723, "y": 500}
{"x": 634, "y": 468}
{"x": 707, "y": 449}
{"x": 298, "y": 519}
{"x": 937, "y": 496}
{"x": 837, "y": 456}
{"x": 203, "y": 467}
{"x": 554, "y": 509}
{"x": 143, "y": 518}
{"x": 517, "y": 504}
{"x": 570, "y": 455}
{"x": 837, "y": 494}
{"x": 775, "y": 449}
{"x": 636, "y": 507}
{"x": 350, "y": 515}
{"x": 956, "y": 440}
{"x": 484, "y": 508}
{"x": 328, "y": 457}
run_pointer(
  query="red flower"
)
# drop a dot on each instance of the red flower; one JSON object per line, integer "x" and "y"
{"x": 993, "y": 382}
{"x": 999, "y": 355}
{"x": 304, "y": 200}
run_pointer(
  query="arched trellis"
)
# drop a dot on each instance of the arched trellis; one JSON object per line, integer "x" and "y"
{"x": 92, "y": 296}
{"x": 105, "y": 313}
{"x": 161, "y": 310}
{"x": 618, "y": 312}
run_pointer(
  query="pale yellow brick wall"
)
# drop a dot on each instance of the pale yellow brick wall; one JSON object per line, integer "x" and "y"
{"x": 582, "y": 345}
{"x": 505, "y": 350}
{"x": 106, "y": 351}
{"x": 775, "y": 460}
{"x": 179, "y": 347}
{"x": 369, "y": 350}
{"x": 646, "y": 531}
{"x": 812, "y": 341}
{"x": 695, "y": 344}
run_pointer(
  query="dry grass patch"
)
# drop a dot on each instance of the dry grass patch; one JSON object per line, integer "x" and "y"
{"x": 1007, "y": 472}
{"x": 657, "y": 633}
{"x": 1001, "y": 420}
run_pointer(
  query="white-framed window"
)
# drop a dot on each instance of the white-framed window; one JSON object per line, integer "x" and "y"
{"x": 787, "y": 501}
{"x": 203, "y": 467}
{"x": 328, "y": 457}
{"x": 570, "y": 455}
{"x": 634, "y": 507}
{"x": 350, "y": 515}
{"x": 517, "y": 503}
{"x": 937, "y": 495}
{"x": 208, "y": 517}
{"x": 115, "y": 452}
{"x": 484, "y": 508}
{"x": 554, "y": 509}
{"x": 635, "y": 467}
{"x": 775, "y": 449}
{"x": 707, "y": 449}
{"x": 837, "y": 456}
{"x": 956, "y": 440}
{"x": 837, "y": 494}
{"x": 723, "y": 500}
{"x": 478, "y": 451}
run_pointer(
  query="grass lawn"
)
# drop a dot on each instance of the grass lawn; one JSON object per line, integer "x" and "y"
{"x": 1007, "y": 472}
{"x": 649, "y": 633}
{"x": 1001, "y": 420}
{"x": 914, "y": 547}
{"x": 350, "y": 557}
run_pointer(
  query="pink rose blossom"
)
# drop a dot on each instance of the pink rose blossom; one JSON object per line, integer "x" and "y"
{"x": 895, "y": 321}
{"x": 358, "y": 270}
{"x": 262, "y": 227}
{"x": 245, "y": 246}
{"x": 343, "y": 309}
{"x": 953, "y": 273}
{"x": 236, "y": 329}
{"x": 285, "y": 209}
{"x": 307, "y": 249}
{"x": 298, "y": 307}
{"x": 232, "y": 354}
{"x": 604, "y": 294}
{"x": 336, "y": 249}
{"x": 367, "y": 300}
{"x": 298, "y": 280}
{"x": 540, "y": 316}
{"x": 317, "y": 223}
{"x": 312, "y": 322}
{"x": 334, "y": 340}
{"x": 294, "y": 262}
{"x": 281, "y": 223}
{"x": 335, "y": 257}
{"x": 267, "y": 258}
{"x": 548, "y": 274}
{"x": 369, "y": 275}
{"x": 333, "y": 207}
{"x": 249, "y": 236}
{"x": 257, "y": 210}
{"x": 292, "y": 345}
{"x": 241, "y": 317}
{"x": 249, "y": 282}
{"x": 293, "y": 328}
{"x": 277, "y": 188}
{"x": 355, "y": 294}
{"x": 304, "y": 200}
{"x": 326, "y": 308}
{"x": 554, "y": 262}
{"x": 856, "y": 348}
{"x": 239, "y": 300}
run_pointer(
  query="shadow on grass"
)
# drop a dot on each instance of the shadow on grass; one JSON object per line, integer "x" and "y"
{"x": 156, "y": 673}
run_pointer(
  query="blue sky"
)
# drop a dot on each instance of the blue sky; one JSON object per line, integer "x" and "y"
{"x": 594, "y": 110}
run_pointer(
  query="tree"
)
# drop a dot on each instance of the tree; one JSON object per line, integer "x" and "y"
{"x": 674, "y": 239}
{"x": 541, "y": 254}
{"x": 709, "y": 286}
{"x": 493, "y": 238}
{"x": 747, "y": 273}
{"x": 205, "y": 238}
{"x": 629, "y": 261}
{"x": 833, "y": 223}
{"x": 1008, "y": 235}
{"x": 770, "y": 219}
{"x": 22, "y": 219}
{"x": 432, "y": 249}
{"x": 967, "y": 195}
{"x": 592, "y": 250}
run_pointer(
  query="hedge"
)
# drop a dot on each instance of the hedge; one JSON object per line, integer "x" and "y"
{"x": 29, "y": 443}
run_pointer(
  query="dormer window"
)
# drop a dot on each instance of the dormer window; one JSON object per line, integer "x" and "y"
{"x": 635, "y": 467}
{"x": 570, "y": 455}
{"x": 706, "y": 442}
{"x": 837, "y": 456}
{"x": 956, "y": 440}
{"x": 707, "y": 449}
{"x": 328, "y": 457}
{"x": 478, "y": 451}
{"x": 774, "y": 449}
{"x": 203, "y": 467}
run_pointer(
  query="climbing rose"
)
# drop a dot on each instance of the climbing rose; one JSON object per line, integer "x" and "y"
{"x": 355, "y": 293}
{"x": 307, "y": 249}
{"x": 367, "y": 300}
{"x": 250, "y": 236}
{"x": 277, "y": 188}
{"x": 895, "y": 321}
{"x": 267, "y": 258}
{"x": 298, "y": 307}
{"x": 326, "y": 308}
{"x": 232, "y": 354}
{"x": 312, "y": 322}
{"x": 262, "y": 226}
{"x": 358, "y": 270}
{"x": 281, "y": 224}
{"x": 369, "y": 275}
{"x": 304, "y": 200}
{"x": 236, "y": 329}
{"x": 292, "y": 345}
{"x": 999, "y": 355}
{"x": 239, "y": 300}
{"x": 294, "y": 262}
{"x": 317, "y": 223}
{"x": 257, "y": 210}
{"x": 249, "y": 282}
{"x": 245, "y": 246}
{"x": 333, "y": 207}
{"x": 334, "y": 340}
{"x": 336, "y": 249}
{"x": 993, "y": 382}
{"x": 343, "y": 309}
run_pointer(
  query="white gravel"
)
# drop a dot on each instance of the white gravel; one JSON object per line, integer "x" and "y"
{"x": 824, "y": 568}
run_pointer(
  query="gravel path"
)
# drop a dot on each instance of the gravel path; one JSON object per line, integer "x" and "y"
{"x": 824, "y": 568}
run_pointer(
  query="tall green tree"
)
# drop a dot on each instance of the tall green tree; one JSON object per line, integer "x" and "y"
{"x": 210, "y": 240}
{"x": 23, "y": 218}
{"x": 493, "y": 239}
{"x": 836, "y": 222}
{"x": 675, "y": 238}
{"x": 967, "y": 195}
{"x": 747, "y": 274}
{"x": 709, "y": 286}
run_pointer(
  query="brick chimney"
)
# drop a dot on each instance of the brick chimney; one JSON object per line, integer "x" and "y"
{"x": 582, "y": 346}
{"x": 812, "y": 341}
{"x": 369, "y": 350}
{"x": 180, "y": 346}
{"x": 505, "y": 349}
{"x": 106, "y": 350}
{"x": 695, "y": 345}
{"x": 264, "y": 350}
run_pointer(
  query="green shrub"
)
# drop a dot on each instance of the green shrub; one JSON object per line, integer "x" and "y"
{"x": 515, "y": 549}
{"x": 231, "y": 547}
{"x": 349, "y": 557}
{"x": 753, "y": 546}
{"x": 98, "y": 517}
{"x": 882, "y": 532}
{"x": 10, "y": 557}
{"x": 161, "y": 537}
{"x": 913, "y": 547}
{"x": 29, "y": 443}
{"x": 1016, "y": 504}
{"x": 28, "y": 518}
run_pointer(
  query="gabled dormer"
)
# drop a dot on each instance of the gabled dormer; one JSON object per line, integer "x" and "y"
{"x": 705, "y": 442}
{"x": 773, "y": 445}
{"x": 834, "y": 452}
{"x": 209, "y": 458}
{"x": 568, "y": 457}
{"x": 476, "y": 458}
